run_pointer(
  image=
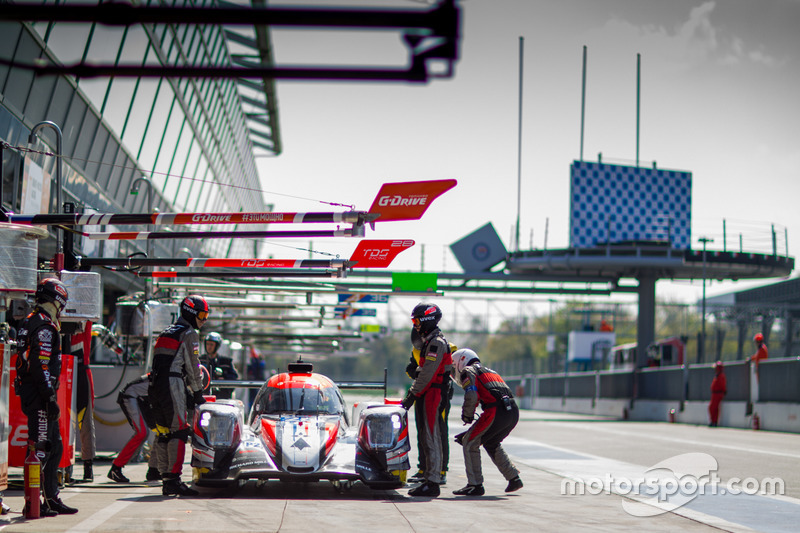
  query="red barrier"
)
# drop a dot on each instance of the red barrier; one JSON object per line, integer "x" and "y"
{"x": 5, "y": 386}
{"x": 18, "y": 443}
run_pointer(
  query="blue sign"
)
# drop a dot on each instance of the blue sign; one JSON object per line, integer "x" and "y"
{"x": 350, "y": 298}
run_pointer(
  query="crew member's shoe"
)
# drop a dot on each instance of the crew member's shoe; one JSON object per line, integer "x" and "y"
{"x": 419, "y": 477}
{"x": 470, "y": 490}
{"x": 152, "y": 474}
{"x": 514, "y": 484}
{"x": 88, "y": 473}
{"x": 429, "y": 489}
{"x": 176, "y": 487}
{"x": 116, "y": 475}
{"x": 44, "y": 512}
{"x": 55, "y": 504}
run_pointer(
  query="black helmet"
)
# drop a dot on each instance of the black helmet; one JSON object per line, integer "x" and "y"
{"x": 54, "y": 291}
{"x": 194, "y": 307}
{"x": 216, "y": 338}
{"x": 427, "y": 315}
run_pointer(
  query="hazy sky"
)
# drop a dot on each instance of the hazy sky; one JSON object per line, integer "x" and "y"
{"x": 719, "y": 98}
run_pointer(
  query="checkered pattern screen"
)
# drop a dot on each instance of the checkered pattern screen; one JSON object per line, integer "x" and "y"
{"x": 614, "y": 203}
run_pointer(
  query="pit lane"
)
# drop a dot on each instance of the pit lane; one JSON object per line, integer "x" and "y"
{"x": 547, "y": 447}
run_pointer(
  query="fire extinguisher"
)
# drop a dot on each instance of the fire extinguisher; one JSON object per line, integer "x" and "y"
{"x": 33, "y": 469}
{"x": 756, "y": 421}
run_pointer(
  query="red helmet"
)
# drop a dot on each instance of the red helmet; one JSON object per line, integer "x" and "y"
{"x": 758, "y": 338}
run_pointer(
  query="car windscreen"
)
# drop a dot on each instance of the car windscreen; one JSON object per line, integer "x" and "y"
{"x": 310, "y": 398}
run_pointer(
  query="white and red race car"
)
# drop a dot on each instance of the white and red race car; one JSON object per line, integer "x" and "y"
{"x": 299, "y": 429}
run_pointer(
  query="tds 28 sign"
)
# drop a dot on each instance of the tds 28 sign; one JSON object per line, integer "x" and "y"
{"x": 379, "y": 253}
{"x": 386, "y": 252}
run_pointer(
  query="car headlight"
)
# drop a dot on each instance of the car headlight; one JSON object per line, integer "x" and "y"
{"x": 220, "y": 429}
{"x": 381, "y": 431}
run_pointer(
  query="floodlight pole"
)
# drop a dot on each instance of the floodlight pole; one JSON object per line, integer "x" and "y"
{"x": 519, "y": 145}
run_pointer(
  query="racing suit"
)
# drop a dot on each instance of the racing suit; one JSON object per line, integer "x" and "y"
{"x": 500, "y": 415}
{"x": 444, "y": 412}
{"x": 176, "y": 366}
{"x": 38, "y": 367}
{"x": 719, "y": 387}
{"x": 430, "y": 388}
{"x": 220, "y": 367}
{"x": 132, "y": 400}
{"x": 761, "y": 354}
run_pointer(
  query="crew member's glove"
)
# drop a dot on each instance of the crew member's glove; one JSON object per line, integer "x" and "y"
{"x": 218, "y": 372}
{"x": 460, "y": 437}
{"x": 197, "y": 396}
{"x": 408, "y": 401}
{"x": 53, "y": 410}
{"x": 467, "y": 419}
{"x": 411, "y": 370}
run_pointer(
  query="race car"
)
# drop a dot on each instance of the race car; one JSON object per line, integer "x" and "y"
{"x": 299, "y": 429}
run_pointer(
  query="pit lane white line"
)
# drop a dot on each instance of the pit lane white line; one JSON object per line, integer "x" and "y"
{"x": 101, "y": 517}
{"x": 661, "y": 438}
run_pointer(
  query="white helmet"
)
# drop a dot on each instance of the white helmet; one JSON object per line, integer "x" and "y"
{"x": 461, "y": 359}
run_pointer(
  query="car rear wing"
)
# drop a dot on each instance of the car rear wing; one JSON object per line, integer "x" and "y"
{"x": 349, "y": 385}
{"x": 369, "y": 385}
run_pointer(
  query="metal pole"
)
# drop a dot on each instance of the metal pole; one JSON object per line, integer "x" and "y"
{"x": 546, "y": 230}
{"x": 519, "y": 144}
{"x": 774, "y": 242}
{"x": 724, "y": 236}
{"x": 638, "y": 91}
{"x": 58, "y": 264}
{"x": 704, "y": 240}
{"x": 785, "y": 240}
{"x": 583, "y": 98}
{"x": 135, "y": 190}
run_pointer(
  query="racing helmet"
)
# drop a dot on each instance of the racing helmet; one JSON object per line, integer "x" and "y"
{"x": 758, "y": 338}
{"x": 194, "y": 307}
{"x": 54, "y": 291}
{"x": 426, "y": 316}
{"x": 463, "y": 358}
{"x": 216, "y": 338}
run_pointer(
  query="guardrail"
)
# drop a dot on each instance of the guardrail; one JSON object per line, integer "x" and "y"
{"x": 777, "y": 381}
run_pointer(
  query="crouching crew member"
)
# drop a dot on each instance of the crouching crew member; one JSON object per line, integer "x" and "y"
{"x": 38, "y": 367}
{"x": 132, "y": 399}
{"x": 500, "y": 415}
{"x": 176, "y": 366}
